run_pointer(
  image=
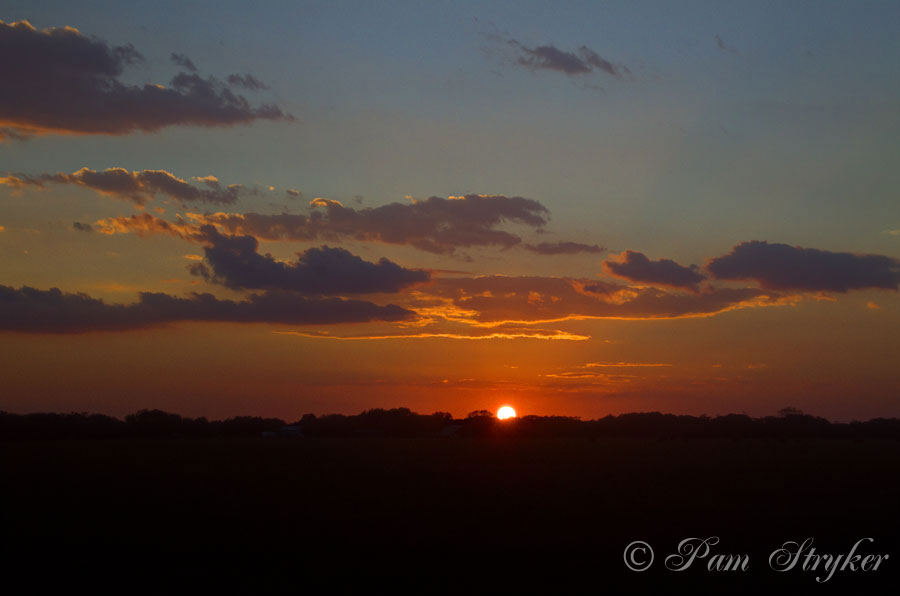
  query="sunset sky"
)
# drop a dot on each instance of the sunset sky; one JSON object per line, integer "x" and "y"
{"x": 226, "y": 208}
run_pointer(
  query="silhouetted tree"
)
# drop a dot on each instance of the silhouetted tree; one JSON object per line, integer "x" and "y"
{"x": 480, "y": 414}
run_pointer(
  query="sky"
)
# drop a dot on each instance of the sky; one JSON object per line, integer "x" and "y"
{"x": 581, "y": 209}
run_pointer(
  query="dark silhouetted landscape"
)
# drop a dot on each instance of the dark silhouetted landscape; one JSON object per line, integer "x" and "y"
{"x": 405, "y": 501}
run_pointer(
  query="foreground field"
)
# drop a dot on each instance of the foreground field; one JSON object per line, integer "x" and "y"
{"x": 436, "y": 514}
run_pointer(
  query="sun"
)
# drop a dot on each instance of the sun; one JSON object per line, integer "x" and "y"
{"x": 506, "y": 412}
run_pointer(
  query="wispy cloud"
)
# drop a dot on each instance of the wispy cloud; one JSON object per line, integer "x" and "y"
{"x": 579, "y": 62}
{"x": 144, "y": 224}
{"x": 720, "y": 43}
{"x": 183, "y": 61}
{"x": 139, "y": 186}
{"x": 564, "y": 248}
{"x": 625, "y": 365}
{"x": 246, "y": 81}
{"x": 537, "y": 334}
{"x": 494, "y": 299}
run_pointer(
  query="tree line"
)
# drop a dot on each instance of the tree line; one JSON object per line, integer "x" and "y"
{"x": 402, "y": 422}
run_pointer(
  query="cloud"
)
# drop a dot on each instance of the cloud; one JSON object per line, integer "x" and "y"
{"x": 82, "y": 227}
{"x": 723, "y": 46}
{"x": 59, "y": 81}
{"x": 563, "y": 248}
{"x": 478, "y": 300}
{"x": 12, "y": 133}
{"x": 582, "y": 61}
{"x": 784, "y": 267}
{"x": 145, "y": 224}
{"x": 579, "y": 375}
{"x": 320, "y": 202}
{"x": 494, "y": 299}
{"x": 436, "y": 224}
{"x": 247, "y": 81}
{"x": 626, "y": 365}
{"x": 635, "y": 266}
{"x": 524, "y": 334}
{"x": 29, "y": 310}
{"x": 183, "y": 61}
{"x": 235, "y": 262}
{"x": 138, "y": 186}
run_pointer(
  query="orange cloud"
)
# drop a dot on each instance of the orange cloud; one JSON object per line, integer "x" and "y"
{"x": 536, "y": 334}
{"x": 624, "y": 365}
{"x": 320, "y": 202}
{"x": 138, "y": 186}
{"x": 500, "y": 300}
{"x": 145, "y": 224}
{"x": 589, "y": 375}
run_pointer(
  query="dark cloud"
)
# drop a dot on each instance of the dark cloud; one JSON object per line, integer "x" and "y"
{"x": 493, "y": 298}
{"x": 183, "y": 61}
{"x": 563, "y": 248}
{"x": 635, "y": 266}
{"x": 29, "y": 310}
{"x": 246, "y": 81}
{"x": 138, "y": 187}
{"x": 552, "y": 58}
{"x": 235, "y": 262}
{"x": 548, "y": 57}
{"x": 82, "y": 227}
{"x": 435, "y": 224}
{"x": 784, "y": 267}
{"x": 57, "y": 80}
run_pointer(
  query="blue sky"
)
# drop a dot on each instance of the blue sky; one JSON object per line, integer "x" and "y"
{"x": 412, "y": 98}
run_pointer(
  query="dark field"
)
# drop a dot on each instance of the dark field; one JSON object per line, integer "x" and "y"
{"x": 441, "y": 514}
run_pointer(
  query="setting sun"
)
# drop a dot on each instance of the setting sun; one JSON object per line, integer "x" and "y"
{"x": 506, "y": 412}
